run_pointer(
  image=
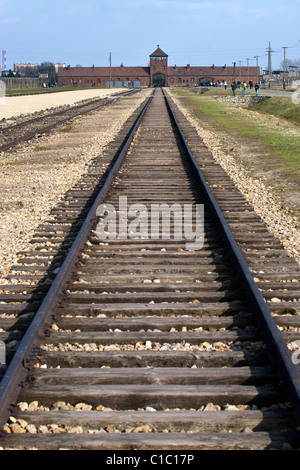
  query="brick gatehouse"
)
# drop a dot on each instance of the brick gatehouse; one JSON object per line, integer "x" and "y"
{"x": 159, "y": 73}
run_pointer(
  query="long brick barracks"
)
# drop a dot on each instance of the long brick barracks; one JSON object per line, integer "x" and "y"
{"x": 158, "y": 74}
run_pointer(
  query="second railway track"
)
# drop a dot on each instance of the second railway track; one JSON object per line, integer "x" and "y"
{"x": 151, "y": 346}
{"x": 13, "y": 135}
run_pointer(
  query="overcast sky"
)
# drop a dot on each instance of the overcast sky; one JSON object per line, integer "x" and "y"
{"x": 190, "y": 31}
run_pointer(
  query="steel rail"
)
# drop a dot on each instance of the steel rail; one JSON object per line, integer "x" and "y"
{"x": 98, "y": 104}
{"x": 277, "y": 349}
{"x": 14, "y": 378}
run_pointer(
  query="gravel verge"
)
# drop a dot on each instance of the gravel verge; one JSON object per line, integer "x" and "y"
{"x": 15, "y": 106}
{"x": 34, "y": 176}
{"x": 264, "y": 202}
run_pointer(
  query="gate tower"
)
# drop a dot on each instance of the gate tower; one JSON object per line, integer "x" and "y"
{"x": 158, "y": 68}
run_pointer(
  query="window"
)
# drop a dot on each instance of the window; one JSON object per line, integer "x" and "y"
{"x": 172, "y": 80}
{"x": 80, "y": 80}
{"x": 159, "y": 58}
{"x": 179, "y": 80}
{"x": 192, "y": 80}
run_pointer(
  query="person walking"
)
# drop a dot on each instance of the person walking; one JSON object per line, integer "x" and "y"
{"x": 256, "y": 88}
{"x": 244, "y": 88}
{"x": 233, "y": 86}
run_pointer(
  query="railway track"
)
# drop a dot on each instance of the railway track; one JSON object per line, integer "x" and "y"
{"x": 15, "y": 134}
{"x": 149, "y": 345}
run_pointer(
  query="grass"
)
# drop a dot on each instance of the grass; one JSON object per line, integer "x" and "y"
{"x": 282, "y": 108}
{"x": 282, "y": 147}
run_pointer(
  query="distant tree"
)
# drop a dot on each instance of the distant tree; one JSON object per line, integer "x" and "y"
{"x": 30, "y": 71}
{"x": 49, "y": 68}
{"x": 290, "y": 62}
{"x": 122, "y": 65}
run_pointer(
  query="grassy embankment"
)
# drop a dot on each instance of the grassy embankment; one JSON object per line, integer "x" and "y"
{"x": 274, "y": 124}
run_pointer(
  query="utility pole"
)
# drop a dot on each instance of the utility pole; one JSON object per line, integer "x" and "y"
{"x": 269, "y": 50}
{"x": 248, "y": 70}
{"x": 240, "y": 65}
{"x": 110, "y": 70}
{"x": 257, "y": 73}
{"x": 284, "y": 67}
{"x": 234, "y": 64}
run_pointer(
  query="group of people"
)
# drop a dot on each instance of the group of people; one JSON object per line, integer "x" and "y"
{"x": 218, "y": 83}
{"x": 244, "y": 86}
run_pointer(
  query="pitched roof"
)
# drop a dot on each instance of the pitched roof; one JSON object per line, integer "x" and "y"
{"x": 159, "y": 53}
{"x": 81, "y": 72}
{"x": 176, "y": 71}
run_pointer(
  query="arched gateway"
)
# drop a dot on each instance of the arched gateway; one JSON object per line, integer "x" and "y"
{"x": 159, "y": 79}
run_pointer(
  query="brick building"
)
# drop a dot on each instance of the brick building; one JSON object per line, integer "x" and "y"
{"x": 158, "y": 73}
{"x": 22, "y": 68}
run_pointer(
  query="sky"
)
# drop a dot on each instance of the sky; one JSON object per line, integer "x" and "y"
{"x": 195, "y": 32}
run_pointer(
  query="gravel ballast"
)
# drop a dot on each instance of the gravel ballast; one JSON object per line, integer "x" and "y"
{"x": 264, "y": 202}
{"x": 36, "y": 175}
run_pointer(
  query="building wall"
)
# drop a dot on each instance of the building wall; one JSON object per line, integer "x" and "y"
{"x": 174, "y": 76}
{"x": 99, "y": 81}
{"x": 196, "y": 79}
{"x": 22, "y": 83}
{"x": 23, "y": 67}
{"x": 172, "y": 81}
{"x": 158, "y": 66}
